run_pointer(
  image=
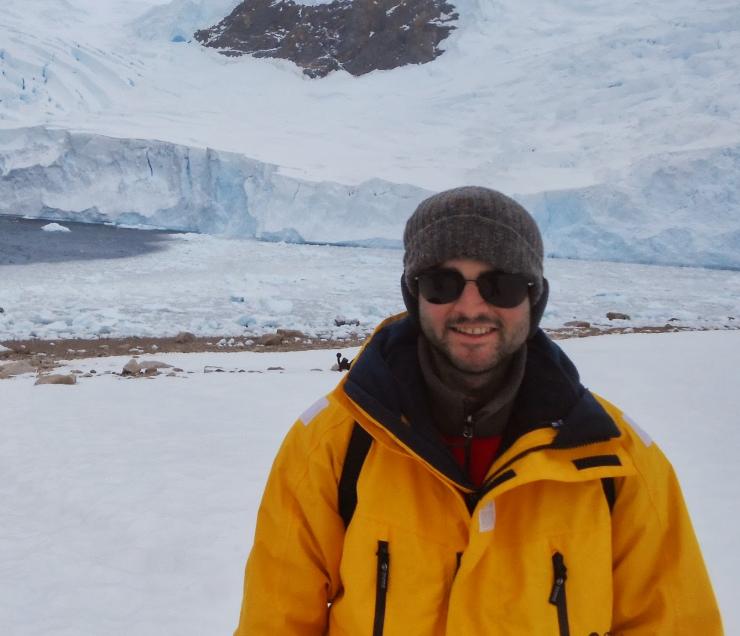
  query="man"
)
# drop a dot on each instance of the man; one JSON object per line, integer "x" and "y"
{"x": 461, "y": 481}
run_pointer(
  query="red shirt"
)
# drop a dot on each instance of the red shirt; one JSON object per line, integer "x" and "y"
{"x": 482, "y": 451}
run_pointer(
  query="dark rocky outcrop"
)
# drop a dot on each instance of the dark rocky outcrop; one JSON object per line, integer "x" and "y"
{"x": 358, "y": 36}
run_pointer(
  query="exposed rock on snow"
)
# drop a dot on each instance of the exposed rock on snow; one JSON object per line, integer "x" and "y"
{"x": 291, "y": 333}
{"x": 357, "y": 36}
{"x": 132, "y": 367}
{"x": 16, "y": 368}
{"x": 615, "y": 315}
{"x": 57, "y": 378}
{"x": 270, "y": 340}
{"x": 341, "y": 320}
{"x": 581, "y": 324}
{"x": 137, "y": 368}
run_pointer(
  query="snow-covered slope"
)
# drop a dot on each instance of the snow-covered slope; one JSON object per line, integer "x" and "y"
{"x": 527, "y": 98}
{"x": 616, "y": 121}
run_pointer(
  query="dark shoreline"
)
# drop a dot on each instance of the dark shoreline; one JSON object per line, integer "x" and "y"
{"x": 45, "y": 353}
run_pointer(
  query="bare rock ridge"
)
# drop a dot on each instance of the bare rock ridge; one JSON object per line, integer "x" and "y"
{"x": 358, "y": 36}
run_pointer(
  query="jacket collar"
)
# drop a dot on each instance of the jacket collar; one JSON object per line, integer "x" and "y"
{"x": 386, "y": 382}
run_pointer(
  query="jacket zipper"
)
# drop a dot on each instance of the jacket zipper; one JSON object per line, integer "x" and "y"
{"x": 468, "y": 432}
{"x": 381, "y": 587}
{"x": 557, "y": 594}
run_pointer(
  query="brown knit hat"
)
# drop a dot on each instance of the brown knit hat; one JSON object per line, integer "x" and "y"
{"x": 477, "y": 223}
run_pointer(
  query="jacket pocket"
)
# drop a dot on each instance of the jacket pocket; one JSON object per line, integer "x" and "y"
{"x": 381, "y": 587}
{"x": 557, "y": 594}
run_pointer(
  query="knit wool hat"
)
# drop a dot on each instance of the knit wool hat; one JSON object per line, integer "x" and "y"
{"x": 477, "y": 223}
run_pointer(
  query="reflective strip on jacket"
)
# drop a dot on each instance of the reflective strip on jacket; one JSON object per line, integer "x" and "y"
{"x": 536, "y": 551}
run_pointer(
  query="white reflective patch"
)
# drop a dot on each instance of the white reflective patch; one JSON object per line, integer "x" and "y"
{"x": 487, "y": 517}
{"x": 646, "y": 439}
{"x": 313, "y": 410}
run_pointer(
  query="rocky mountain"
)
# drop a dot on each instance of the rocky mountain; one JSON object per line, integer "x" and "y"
{"x": 358, "y": 36}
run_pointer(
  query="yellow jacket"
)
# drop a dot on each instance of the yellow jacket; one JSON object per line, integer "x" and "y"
{"x": 536, "y": 551}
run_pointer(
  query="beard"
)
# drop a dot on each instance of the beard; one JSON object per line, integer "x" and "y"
{"x": 471, "y": 357}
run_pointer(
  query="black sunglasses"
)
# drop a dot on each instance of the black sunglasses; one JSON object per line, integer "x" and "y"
{"x": 442, "y": 286}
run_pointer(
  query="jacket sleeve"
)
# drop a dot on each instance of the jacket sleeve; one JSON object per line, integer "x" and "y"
{"x": 292, "y": 571}
{"x": 661, "y": 585}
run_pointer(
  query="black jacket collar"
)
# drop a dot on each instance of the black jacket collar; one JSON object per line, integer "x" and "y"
{"x": 386, "y": 381}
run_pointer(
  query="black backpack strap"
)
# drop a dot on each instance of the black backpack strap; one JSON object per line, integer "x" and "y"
{"x": 357, "y": 449}
{"x": 610, "y": 492}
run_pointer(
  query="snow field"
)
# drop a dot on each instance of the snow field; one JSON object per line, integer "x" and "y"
{"x": 123, "y": 518}
{"x": 130, "y": 504}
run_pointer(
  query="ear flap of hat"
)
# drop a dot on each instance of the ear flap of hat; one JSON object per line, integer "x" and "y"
{"x": 411, "y": 302}
{"x": 536, "y": 311}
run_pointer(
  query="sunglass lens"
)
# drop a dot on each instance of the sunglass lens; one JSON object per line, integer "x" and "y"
{"x": 503, "y": 290}
{"x": 441, "y": 286}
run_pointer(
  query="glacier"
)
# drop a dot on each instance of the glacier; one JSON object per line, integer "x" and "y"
{"x": 680, "y": 208}
{"x": 176, "y": 21}
{"x": 60, "y": 175}
{"x": 677, "y": 208}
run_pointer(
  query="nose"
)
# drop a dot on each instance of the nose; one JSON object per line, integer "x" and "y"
{"x": 470, "y": 299}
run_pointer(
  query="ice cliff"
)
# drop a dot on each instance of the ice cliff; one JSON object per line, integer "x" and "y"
{"x": 678, "y": 208}
{"x": 60, "y": 175}
{"x": 674, "y": 208}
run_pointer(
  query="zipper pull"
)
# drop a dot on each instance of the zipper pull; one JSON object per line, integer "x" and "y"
{"x": 381, "y": 587}
{"x": 560, "y": 572}
{"x": 468, "y": 427}
{"x": 468, "y": 431}
{"x": 383, "y": 564}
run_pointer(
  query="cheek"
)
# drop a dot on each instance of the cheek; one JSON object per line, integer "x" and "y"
{"x": 517, "y": 317}
{"x": 432, "y": 316}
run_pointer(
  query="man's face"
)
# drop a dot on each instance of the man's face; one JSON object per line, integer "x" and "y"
{"x": 472, "y": 334}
